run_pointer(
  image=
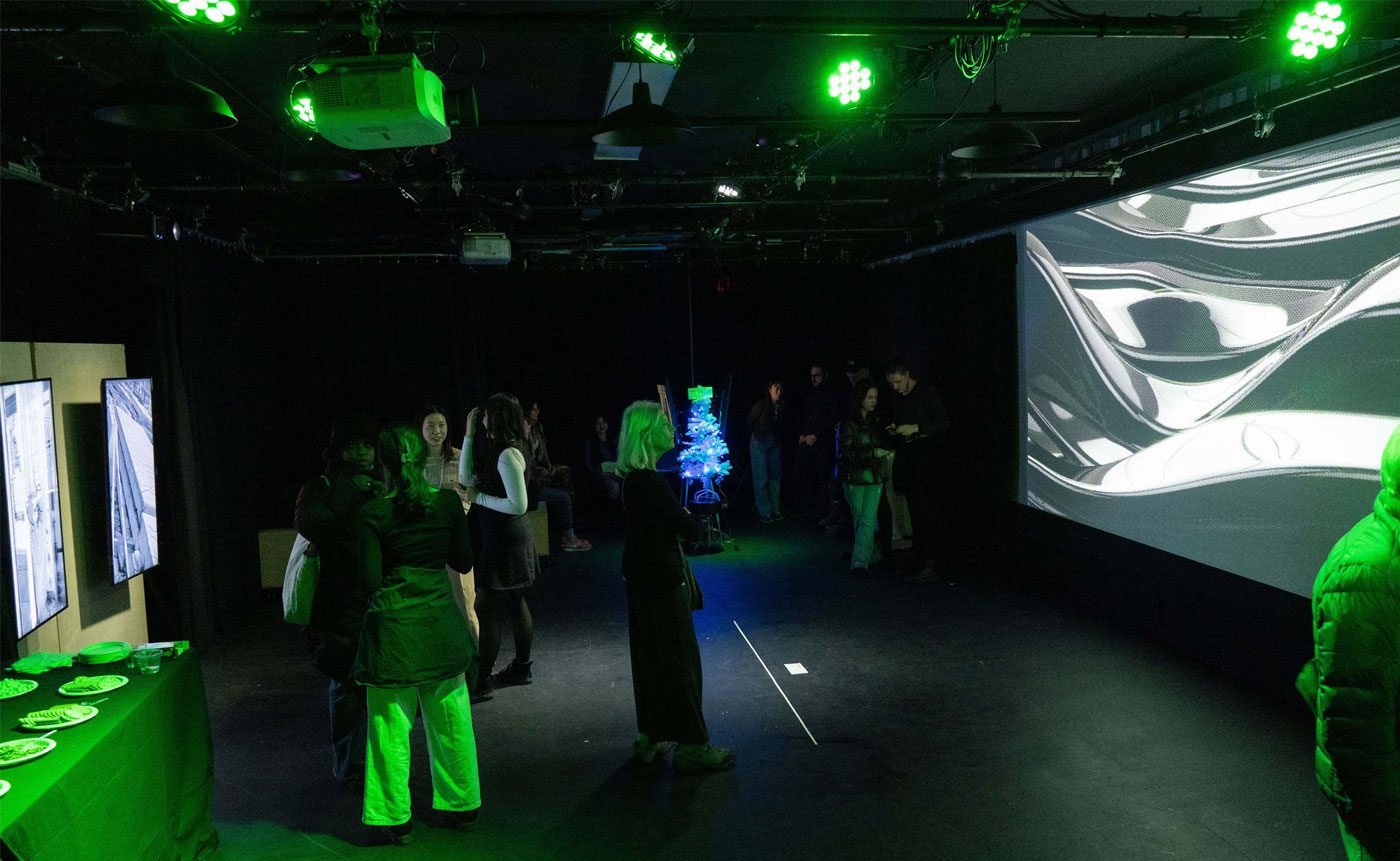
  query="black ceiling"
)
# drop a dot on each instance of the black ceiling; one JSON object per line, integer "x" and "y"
{"x": 857, "y": 187}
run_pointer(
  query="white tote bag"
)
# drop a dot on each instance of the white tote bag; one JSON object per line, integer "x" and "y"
{"x": 299, "y": 583}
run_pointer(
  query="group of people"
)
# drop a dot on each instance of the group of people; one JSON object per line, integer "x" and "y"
{"x": 425, "y": 554}
{"x": 881, "y": 445}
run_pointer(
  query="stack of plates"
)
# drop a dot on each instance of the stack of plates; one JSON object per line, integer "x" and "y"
{"x": 104, "y": 653}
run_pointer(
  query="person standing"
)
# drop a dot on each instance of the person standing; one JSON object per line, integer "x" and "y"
{"x": 862, "y": 440}
{"x": 440, "y": 471}
{"x": 1352, "y": 683}
{"x": 918, "y": 418}
{"x": 507, "y": 564}
{"x": 816, "y": 445}
{"x": 415, "y": 650}
{"x": 661, "y": 595}
{"x": 326, "y": 514}
{"x": 768, "y": 420}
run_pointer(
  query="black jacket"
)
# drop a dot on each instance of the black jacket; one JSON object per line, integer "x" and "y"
{"x": 326, "y": 513}
{"x": 767, "y": 421}
{"x": 821, "y": 410}
{"x": 652, "y": 558}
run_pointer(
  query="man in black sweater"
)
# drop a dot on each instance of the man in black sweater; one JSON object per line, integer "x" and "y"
{"x": 917, "y": 420}
{"x": 816, "y": 445}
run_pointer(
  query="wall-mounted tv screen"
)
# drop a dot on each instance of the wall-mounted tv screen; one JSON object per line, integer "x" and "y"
{"x": 34, "y": 522}
{"x": 1212, "y": 367}
{"x": 131, "y": 476}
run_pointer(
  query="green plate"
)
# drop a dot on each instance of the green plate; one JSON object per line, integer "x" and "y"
{"x": 69, "y": 715}
{"x": 11, "y": 688}
{"x": 109, "y": 683}
{"x": 104, "y": 653}
{"x": 25, "y": 750}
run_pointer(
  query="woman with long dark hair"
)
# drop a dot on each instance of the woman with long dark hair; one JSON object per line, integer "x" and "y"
{"x": 415, "y": 650}
{"x": 862, "y": 469}
{"x": 492, "y": 472}
{"x": 661, "y": 595}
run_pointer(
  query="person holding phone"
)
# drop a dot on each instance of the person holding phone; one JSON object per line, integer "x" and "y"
{"x": 918, "y": 418}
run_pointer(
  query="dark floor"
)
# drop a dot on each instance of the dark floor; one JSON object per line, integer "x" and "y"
{"x": 953, "y": 721}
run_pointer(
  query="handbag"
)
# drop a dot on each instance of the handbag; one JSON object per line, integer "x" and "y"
{"x": 299, "y": 583}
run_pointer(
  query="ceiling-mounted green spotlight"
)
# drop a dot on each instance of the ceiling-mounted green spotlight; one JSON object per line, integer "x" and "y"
{"x": 848, "y": 81}
{"x": 219, "y": 14}
{"x": 1322, "y": 29}
{"x": 654, "y": 46}
{"x": 300, "y": 106}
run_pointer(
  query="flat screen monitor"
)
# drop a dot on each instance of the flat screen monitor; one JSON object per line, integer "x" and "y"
{"x": 131, "y": 476}
{"x": 33, "y": 519}
{"x": 1212, "y": 367}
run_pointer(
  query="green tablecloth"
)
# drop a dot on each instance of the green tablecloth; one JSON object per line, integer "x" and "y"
{"x": 133, "y": 782}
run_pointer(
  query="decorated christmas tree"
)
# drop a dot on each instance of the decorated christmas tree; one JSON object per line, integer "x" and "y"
{"x": 705, "y": 456}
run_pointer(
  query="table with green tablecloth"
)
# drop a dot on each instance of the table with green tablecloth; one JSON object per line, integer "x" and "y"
{"x": 133, "y": 782}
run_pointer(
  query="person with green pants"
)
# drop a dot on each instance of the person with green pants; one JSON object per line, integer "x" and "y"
{"x": 415, "y": 650}
{"x": 1352, "y": 683}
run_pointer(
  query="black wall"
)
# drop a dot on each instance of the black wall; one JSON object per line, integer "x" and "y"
{"x": 252, "y": 361}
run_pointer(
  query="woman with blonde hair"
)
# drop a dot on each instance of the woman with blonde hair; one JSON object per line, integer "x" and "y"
{"x": 661, "y": 595}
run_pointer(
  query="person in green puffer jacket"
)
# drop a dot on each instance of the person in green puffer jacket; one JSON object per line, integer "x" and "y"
{"x": 1352, "y": 684}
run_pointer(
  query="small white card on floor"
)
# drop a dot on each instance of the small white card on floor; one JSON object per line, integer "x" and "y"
{"x": 796, "y": 669}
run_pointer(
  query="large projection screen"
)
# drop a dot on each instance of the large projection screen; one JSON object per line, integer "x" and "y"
{"x": 131, "y": 476}
{"x": 31, "y": 493}
{"x": 1213, "y": 367}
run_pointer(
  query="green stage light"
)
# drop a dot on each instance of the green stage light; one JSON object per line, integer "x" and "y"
{"x": 208, "y": 13}
{"x": 847, "y": 83}
{"x": 655, "y": 47}
{"x": 1316, "y": 31}
{"x": 300, "y": 105}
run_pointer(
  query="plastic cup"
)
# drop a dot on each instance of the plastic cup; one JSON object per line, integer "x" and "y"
{"x": 148, "y": 660}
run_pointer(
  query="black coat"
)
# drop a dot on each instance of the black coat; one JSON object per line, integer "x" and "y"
{"x": 652, "y": 559}
{"x": 326, "y": 513}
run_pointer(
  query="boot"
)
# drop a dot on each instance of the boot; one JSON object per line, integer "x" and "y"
{"x": 518, "y": 673}
{"x": 484, "y": 689}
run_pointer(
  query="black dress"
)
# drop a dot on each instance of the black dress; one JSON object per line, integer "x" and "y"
{"x": 661, "y": 595}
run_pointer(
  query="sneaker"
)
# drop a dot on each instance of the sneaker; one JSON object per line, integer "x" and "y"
{"x": 648, "y": 751}
{"x": 462, "y": 820}
{"x": 901, "y": 544}
{"x": 400, "y": 835}
{"x": 860, "y": 572}
{"x": 578, "y": 545}
{"x": 484, "y": 689}
{"x": 766, "y": 518}
{"x": 831, "y": 519}
{"x": 702, "y": 757}
{"x": 518, "y": 673}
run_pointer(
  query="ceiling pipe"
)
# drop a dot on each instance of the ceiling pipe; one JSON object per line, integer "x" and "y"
{"x": 267, "y": 18}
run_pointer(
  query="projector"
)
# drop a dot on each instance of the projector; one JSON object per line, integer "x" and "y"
{"x": 485, "y": 249}
{"x": 378, "y": 102}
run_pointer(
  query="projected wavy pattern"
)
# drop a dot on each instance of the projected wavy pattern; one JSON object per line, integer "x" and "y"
{"x": 1211, "y": 367}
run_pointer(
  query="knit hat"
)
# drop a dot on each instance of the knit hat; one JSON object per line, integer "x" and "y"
{"x": 346, "y": 430}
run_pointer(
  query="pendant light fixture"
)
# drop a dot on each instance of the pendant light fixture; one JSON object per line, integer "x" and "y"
{"x": 996, "y": 141}
{"x": 642, "y": 123}
{"x": 163, "y": 101}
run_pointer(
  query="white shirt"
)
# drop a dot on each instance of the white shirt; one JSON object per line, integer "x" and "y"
{"x": 510, "y": 465}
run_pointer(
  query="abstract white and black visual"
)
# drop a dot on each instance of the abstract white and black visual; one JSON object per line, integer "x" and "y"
{"x": 31, "y": 492}
{"x": 1212, "y": 368}
{"x": 131, "y": 476}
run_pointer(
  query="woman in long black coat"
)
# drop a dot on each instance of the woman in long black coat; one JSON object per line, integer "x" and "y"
{"x": 661, "y": 595}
